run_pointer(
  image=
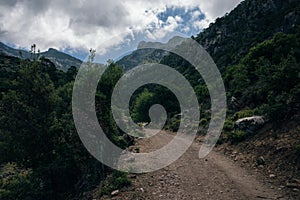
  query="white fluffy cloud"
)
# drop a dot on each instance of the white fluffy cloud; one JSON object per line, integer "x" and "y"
{"x": 82, "y": 24}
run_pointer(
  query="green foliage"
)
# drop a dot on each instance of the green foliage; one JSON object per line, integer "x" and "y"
{"x": 203, "y": 122}
{"x": 237, "y": 136}
{"x": 236, "y": 78}
{"x": 251, "y": 22}
{"x": 17, "y": 184}
{"x": 243, "y": 113}
{"x": 228, "y": 125}
{"x": 152, "y": 94}
{"x": 267, "y": 79}
{"x": 118, "y": 180}
{"x": 173, "y": 124}
{"x": 37, "y": 133}
{"x": 141, "y": 106}
{"x": 103, "y": 104}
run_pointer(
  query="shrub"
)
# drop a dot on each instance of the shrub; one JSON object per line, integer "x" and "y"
{"x": 120, "y": 179}
{"x": 203, "y": 122}
{"x": 173, "y": 124}
{"x": 243, "y": 114}
{"x": 117, "y": 181}
{"x": 237, "y": 136}
{"x": 228, "y": 125}
{"x": 16, "y": 184}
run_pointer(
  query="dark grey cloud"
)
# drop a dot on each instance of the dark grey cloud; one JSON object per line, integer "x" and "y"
{"x": 8, "y": 3}
{"x": 32, "y": 6}
{"x": 102, "y": 17}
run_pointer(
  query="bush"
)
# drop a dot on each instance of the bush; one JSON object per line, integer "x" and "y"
{"x": 237, "y": 136}
{"x": 203, "y": 122}
{"x": 228, "y": 125}
{"x": 173, "y": 124}
{"x": 117, "y": 181}
{"x": 243, "y": 114}
{"x": 120, "y": 180}
{"x": 16, "y": 184}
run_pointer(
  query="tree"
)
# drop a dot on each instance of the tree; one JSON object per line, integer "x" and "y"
{"x": 141, "y": 106}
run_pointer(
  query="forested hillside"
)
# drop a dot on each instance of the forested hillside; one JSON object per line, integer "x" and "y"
{"x": 41, "y": 154}
{"x": 251, "y": 22}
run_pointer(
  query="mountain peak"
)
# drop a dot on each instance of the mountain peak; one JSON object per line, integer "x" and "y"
{"x": 52, "y": 49}
{"x": 174, "y": 41}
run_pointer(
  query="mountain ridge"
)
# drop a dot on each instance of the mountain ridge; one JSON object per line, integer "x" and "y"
{"x": 62, "y": 61}
{"x": 230, "y": 37}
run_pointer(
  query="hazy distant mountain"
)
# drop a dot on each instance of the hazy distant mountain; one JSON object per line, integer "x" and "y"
{"x": 141, "y": 56}
{"x": 62, "y": 60}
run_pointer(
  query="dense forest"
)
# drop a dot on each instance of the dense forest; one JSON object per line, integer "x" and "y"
{"x": 41, "y": 155}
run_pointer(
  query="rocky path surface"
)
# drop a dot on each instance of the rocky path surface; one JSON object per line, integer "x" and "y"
{"x": 215, "y": 177}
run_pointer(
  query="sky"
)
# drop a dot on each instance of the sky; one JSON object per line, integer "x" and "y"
{"x": 112, "y": 28}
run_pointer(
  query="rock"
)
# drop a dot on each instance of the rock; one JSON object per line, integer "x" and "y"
{"x": 260, "y": 166}
{"x": 142, "y": 190}
{"x": 260, "y": 161}
{"x": 249, "y": 124}
{"x": 235, "y": 103}
{"x": 272, "y": 176}
{"x": 132, "y": 176}
{"x": 115, "y": 193}
{"x": 292, "y": 185}
{"x": 295, "y": 190}
{"x": 296, "y": 181}
{"x": 281, "y": 187}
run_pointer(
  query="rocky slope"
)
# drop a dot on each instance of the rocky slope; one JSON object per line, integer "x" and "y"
{"x": 251, "y": 22}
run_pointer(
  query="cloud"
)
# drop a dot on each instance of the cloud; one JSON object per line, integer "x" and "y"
{"x": 82, "y": 24}
{"x": 217, "y": 8}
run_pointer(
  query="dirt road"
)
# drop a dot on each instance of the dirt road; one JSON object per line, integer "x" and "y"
{"x": 215, "y": 177}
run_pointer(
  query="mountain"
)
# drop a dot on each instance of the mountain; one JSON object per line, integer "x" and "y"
{"x": 61, "y": 60}
{"x": 144, "y": 54}
{"x": 141, "y": 56}
{"x": 4, "y": 49}
{"x": 251, "y": 22}
{"x": 230, "y": 38}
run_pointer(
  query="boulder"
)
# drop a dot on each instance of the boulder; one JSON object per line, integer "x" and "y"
{"x": 250, "y": 124}
{"x": 115, "y": 193}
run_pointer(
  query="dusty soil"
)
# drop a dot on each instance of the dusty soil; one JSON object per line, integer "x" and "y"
{"x": 215, "y": 177}
{"x": 278, "y": 148}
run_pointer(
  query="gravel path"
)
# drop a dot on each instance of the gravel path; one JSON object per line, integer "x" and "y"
{"x": 215, "y": 177}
